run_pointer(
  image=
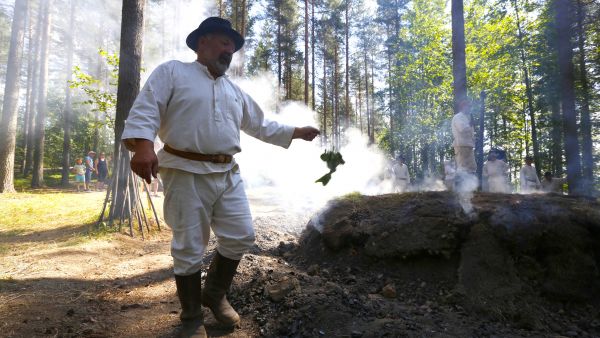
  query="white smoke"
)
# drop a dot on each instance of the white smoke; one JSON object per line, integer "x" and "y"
{"x": 465, "y": 185}
{"x": 288, "y": 176}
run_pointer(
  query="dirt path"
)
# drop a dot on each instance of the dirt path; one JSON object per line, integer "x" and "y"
{"x": 115, "y": 286}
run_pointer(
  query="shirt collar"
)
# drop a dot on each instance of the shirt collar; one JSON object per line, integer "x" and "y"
{"x": 205, "y": 69}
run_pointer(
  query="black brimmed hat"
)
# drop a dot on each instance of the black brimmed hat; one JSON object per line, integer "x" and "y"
{"x": 214, "y": 25}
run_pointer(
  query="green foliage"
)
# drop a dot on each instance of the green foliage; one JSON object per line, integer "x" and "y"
{"x": 51, "y": 180}
{"x": 421, "y": 83}
{"x": 333, "y": 160}
{"x": 101, "y": 97}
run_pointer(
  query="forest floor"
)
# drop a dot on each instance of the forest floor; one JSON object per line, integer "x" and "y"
{"x": 59, "y": 279}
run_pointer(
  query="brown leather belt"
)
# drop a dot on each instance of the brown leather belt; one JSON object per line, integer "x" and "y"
{"x": 214, "y": 158}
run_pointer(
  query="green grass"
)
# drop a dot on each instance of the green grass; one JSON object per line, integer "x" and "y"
{"x": 51, "y": 180}
{"x": 32, "y": 218}
{"x": 352, "y": 197}
{"x": 36, "y": 217}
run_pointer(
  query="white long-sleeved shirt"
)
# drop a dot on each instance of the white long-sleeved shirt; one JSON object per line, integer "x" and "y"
{"x": 528, "y": 178}
{"x": 462, "y": 130}
{"x": 495, "y": 173}
{"x": 192, "y": 111}
{"x": 401, "y": 172}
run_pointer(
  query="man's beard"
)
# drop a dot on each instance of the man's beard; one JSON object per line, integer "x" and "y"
{"x": 222, "y": 63}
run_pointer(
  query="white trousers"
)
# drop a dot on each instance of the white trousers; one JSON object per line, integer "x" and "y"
{"x": 465, "y": 159}
{"x": 195, "y": 203}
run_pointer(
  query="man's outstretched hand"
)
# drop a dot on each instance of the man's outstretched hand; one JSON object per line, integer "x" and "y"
{"x": 144, "y": 162}
{"x": 306, "y": 133}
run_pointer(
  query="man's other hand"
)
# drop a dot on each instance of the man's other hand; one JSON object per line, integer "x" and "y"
{"x": 306, "y": 133}
{"x": 144, "y": 162}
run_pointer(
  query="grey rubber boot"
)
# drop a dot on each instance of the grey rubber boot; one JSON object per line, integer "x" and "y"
{"x": 189, "y": 291}
{"x": 218, "y": 280}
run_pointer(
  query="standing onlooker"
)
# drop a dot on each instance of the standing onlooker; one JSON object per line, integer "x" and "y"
{"x": 101, "y": 168}
{"x": 79, "y": 171}
{"x": 463, "y": 132}
{"x": 494, "y": 174}
{"x": 401, "y": 174}
{"x": 89, "y": 169}
{"x": 528, "y": 177}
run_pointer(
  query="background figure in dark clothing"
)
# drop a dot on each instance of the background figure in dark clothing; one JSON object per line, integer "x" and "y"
{"x": 89, "y": 169}
{"x": 101, "y": 167}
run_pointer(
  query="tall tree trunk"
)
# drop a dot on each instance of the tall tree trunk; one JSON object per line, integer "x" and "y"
{"x": 480, "y": 132}
{"x": 32, "y": 104}
{"x": 131, "y": 48}
{"x": 529, "y": 93}
{"x": 306, "y": 22}
{"x": 459, "y": 67}
{"x": 243, "y": 29}
{"x": 368, "y": 112}
{"x": 28, "y": 96}
{"x": 525, "y": 131}
{"x": 66, "y": 160}
{"x": 565, "y": 63}
{"x": 347, "y": 84}
{"x": 391, "y": 99}
{"x": 335, "y": 98}
{"x": 557, "y": 163}
{"x": 279, "y": 65}
{"x": 8, "y": 127}
{"x": 37, "y": 180}
{"x": 312, "y": 47}
{"x": 359, "y": 104}
{"x": 34, "y": 80}
{"x": 373, "y": 117}
{"x": 324, "y": 99}
{"x": 586, "y": 126}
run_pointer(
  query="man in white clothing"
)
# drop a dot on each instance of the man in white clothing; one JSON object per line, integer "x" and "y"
{"x": 463, "y": 131}
{"x": 494, "y": 173}
{"x": 198, "y": 112}
{"x": 528, "y": 177}
{"x": 401, "y": 174}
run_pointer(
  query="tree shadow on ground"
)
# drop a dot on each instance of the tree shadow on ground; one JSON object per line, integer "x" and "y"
{"x": 143, "y": 305}
{"x": 44, "y": 236}
{"x": 68, "y": 307}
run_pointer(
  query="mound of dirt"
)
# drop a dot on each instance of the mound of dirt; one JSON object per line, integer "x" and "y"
{"x": 517, "y": 262}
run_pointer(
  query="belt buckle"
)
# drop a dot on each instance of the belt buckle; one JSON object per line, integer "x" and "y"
{"x": 220, "y": 158}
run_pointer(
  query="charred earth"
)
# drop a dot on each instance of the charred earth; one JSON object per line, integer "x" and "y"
{"x": 414, "y": 265}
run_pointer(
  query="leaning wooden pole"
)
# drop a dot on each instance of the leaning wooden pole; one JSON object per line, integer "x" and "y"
{"x": 152, "y": 205}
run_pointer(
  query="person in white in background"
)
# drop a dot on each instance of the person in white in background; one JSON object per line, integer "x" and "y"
{"x": 401, "y": 175}
{"x": 529, "y": 180}
{"x": 494, "y": 172}
{"x": 449, "y": 174}
{"x": 198, "y": 112}
{"x": 463, "y": 132}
